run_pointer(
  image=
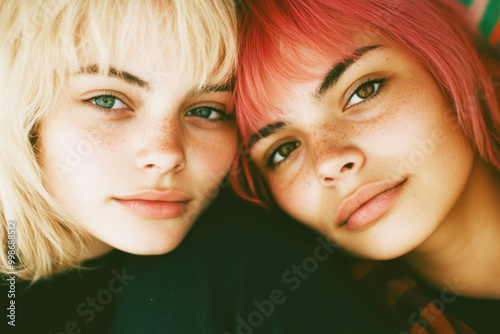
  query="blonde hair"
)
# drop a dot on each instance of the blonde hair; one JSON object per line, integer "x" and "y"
{"x": 41, "y": 44}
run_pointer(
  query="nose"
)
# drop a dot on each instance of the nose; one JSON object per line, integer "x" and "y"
{"x": 334, "y": 166}
{"x": 161, "y": 147}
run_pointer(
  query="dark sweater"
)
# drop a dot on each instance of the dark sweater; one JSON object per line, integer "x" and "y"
{"x": 239, "y": 270}
{"x": 80, "y": 301}
{"x": 242, "y": 270}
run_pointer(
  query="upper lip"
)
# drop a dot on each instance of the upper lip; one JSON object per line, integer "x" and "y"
{"x": 156, "y": 195}
{"x": 361, "y": 196}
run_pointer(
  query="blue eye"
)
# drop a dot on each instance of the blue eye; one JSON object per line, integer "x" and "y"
{"x": 207, "y": 113}
{"x": 108, "y": 102}
{"x": 281, "y": 153}
{"x": 365, "y": 91}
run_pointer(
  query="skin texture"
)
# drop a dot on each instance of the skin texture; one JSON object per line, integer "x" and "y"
{"x": 385, "y": 120}
{"x": 404, "y": 130}
{"x": 153, "y": 138}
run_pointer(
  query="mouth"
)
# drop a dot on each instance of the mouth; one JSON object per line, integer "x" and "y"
{"x": 368, "y": 203}
{"x": 155, "y": 204}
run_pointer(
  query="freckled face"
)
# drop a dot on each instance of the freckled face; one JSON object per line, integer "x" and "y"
{"x": 135, "y": 158}
{"x": 382, "y": 127}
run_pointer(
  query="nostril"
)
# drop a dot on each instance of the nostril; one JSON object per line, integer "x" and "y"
{"x": 332, "y": 171}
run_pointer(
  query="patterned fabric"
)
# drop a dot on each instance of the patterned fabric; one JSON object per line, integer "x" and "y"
{"x": 398, "y": 297}
{"x": 486, "y": 14}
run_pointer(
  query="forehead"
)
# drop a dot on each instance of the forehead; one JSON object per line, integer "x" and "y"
{"x": 129, "y": 50}
{"x": 289, "y": 92}
{"x": 157, "y": 50}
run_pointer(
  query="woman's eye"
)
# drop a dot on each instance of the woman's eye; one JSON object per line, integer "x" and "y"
{"x": 282, "y": 152}
{"x": 207, "y": 113}
{"x": 365, "y": 91}
{"x": 108, "y": 102}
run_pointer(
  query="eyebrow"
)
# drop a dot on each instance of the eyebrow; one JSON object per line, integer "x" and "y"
{"x": 338, "y": 69}
{"x": 265, "y": 132}
{"x": 211, "y": 89}
{"x": 115, "y": 73}
{"x": 136, "y": 81}
{"x": 330, "y": 79}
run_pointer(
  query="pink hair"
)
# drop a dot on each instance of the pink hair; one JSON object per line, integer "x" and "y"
{"x": 434, "y": 32}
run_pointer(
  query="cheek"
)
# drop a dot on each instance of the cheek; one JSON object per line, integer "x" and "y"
{"x": 107, "y": 146}
{"x": 423, "y": 141}
{"x": 210, "y": 156}
{"x": 408, "y": 131}
{"x": 300, "y": 197}
{"x": 450, "y": 162}
{"x": 72, "y": 154}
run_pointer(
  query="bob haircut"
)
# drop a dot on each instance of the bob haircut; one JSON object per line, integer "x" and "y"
{"x": 42, "y": 43}
{"x": 279, "y": 40}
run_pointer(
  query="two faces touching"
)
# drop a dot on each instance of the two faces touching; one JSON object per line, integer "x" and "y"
{"x": 365, "y": 134}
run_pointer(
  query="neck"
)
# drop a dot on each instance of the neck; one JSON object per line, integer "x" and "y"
{"x": 96, "y": 248}
{"x": 465, "y": 250}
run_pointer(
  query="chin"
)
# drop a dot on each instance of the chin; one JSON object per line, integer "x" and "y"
{"x": 150, "y": 247}
{"x": 380, "y": 248}
{"x": 385, "y": 250}
{"x": 382, "y": 255}
{"x": 148, "y": 250}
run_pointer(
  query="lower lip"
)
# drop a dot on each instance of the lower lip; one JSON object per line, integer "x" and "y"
{"x": 374, "y": 208}
{"x": 154, "y": 209}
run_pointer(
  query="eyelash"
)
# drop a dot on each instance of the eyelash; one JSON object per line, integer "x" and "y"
{"x": 223, "y": 115}
{"x": 274, "y": 150}
{"x": 275, "y": 147}
{"x": 106, "y": 111}
{"x": 381, "y": 81}
{"x": 111, "y": 94}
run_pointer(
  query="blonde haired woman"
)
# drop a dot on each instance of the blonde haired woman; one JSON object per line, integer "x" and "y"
{"x": 116, "y": 132}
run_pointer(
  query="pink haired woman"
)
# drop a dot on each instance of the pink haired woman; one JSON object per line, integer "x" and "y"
{"x": 378, "y": 125}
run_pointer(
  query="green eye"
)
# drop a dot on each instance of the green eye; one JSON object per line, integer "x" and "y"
{"x": 108, "y": 102}
{"x": 206, "y": 112}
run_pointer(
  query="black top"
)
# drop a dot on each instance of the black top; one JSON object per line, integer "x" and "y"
{"x": 242, "y": 270}
{"x": 239, "y": 270}
{"x": 80, "y": 301}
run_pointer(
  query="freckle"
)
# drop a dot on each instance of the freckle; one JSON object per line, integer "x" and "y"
{"x": 166, "y": 132}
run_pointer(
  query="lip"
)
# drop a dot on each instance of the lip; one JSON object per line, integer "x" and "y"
{"x": 368, "y": 203}
{"x": 155, "y": 204}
